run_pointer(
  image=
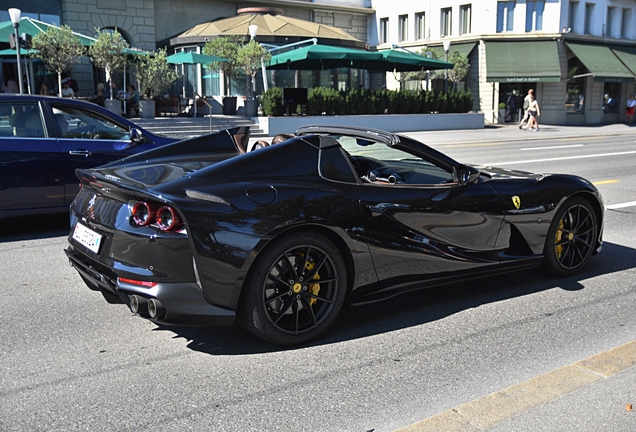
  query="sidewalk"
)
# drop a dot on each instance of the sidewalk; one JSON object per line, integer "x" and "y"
{"x": 511, "y": 132}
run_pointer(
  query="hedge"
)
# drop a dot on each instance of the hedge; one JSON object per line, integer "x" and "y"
{"x": 329, "y": 101}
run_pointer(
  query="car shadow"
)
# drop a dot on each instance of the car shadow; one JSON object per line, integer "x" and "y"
{"x": 412, "y": 309}
{"x": 34, "y": 227}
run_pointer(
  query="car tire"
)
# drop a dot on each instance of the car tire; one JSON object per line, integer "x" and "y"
{"x": 295, "y": 289}
{"x": 571, "y": 238}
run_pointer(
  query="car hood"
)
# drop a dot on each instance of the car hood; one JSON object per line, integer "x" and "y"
{"x": 497, "y": 173}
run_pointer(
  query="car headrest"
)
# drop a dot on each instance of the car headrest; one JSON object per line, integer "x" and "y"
{"x": 18, "y": 119}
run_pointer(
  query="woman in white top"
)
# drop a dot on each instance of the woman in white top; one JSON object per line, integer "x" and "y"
{"x": 534, "y": 112}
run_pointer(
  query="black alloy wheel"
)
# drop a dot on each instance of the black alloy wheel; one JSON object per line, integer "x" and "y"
{"x": 571, "y": 238}
{"x": 295, "y": 291}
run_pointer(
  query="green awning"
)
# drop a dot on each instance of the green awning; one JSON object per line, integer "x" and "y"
{"x": 464, "y": 48}
{"x": 601, "y": 62}
{"x": 522, "y": 61}
{"x": 627, "y": 54}
{"x": 32, "y": 26}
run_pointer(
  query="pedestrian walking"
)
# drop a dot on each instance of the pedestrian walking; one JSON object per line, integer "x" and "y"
{"x": 533, "y": 113}
{"x": 526, "y": 103}
{"x": 629, "y": 110}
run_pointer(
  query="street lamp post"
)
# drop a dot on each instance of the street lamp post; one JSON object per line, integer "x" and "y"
{"x": 446, "y": 49}
{"x": 253, "y": 29}
{"x": 15, "y": 19}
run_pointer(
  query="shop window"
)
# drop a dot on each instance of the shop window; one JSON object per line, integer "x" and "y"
{"x": 572, "y": 10}
{"x": 505, "y": 16}
{"x": 627, "y": 15}
{"x": 575, "y": 92}
{"x": 446, "y": 28}
{"x": 384, "y": 30}
{"x": 403, "y": 28}
{"x": 465, "y": 18}
{"x": 609, "y": 24}
{"x": 420, "y": 22}
{"x": 534, "y": 15}
{"x": 589, "y": 10}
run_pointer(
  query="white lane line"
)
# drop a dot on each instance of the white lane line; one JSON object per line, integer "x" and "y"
{"x": 550, "y": 148}
{"x": 623, "y": 205}
{"x": 561, "y": 158}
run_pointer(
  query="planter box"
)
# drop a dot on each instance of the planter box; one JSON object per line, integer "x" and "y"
{"x": 387, "y": 122}
{"x": 147, "y": 108}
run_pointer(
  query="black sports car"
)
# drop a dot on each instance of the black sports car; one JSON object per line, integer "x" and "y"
{"x": 203, "y": 232}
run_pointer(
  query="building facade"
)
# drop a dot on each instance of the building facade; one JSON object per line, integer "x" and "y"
{"x": 579, "y": 57}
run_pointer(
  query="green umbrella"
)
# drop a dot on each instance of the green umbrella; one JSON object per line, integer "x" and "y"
{"x": 32, "y": 26}
{"x": 193, "y": 58}
{"x": 404, "y": 61}
{"x": 318, "y": 57}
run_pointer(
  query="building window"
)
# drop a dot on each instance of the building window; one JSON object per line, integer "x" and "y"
{"x": 420, "y": 21}
{"x": 403, "y": 28}
{"x": 589, "y": 9}
{"x": 384, "y": 30}
{"x": 573, "y": 8}
{"x": 465, "y": 18}
{"x": 445, "y": 25}
{"x": 575, "y": 93}
{"x": 505, "y": 15}
{"x": 627, "y": 15}
{"x": 47, "y": 18}
{"x": 609, "y": 25}
{"x": 534, "y": 15}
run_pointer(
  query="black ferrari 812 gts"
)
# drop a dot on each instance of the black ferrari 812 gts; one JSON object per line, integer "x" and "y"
{"x": 205, "y": 232}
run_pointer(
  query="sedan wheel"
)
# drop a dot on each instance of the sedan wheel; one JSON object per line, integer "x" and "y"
{"x": 571, "y": 238}
{"x": 295, "y": 291}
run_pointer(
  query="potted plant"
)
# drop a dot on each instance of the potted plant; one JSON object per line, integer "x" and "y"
{"x": 109, "y": 53}
{"x": 153, "y": 75}
{"x": 59, "y": 48}
{"x": 502, "y": 113}
{"x": 225, "y": 47}
{"x": 249, "y": 58}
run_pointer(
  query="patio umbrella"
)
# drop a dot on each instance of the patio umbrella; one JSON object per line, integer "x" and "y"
{"x": 32, "y": 26}
{"x": 404, "y": 61}
{"x": 193, "y": 58}
{"x": 318, "y": 57}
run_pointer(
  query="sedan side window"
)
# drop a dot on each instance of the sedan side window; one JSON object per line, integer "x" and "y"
{"x": 21, "y": 120}
{"x": 85, "y": 124}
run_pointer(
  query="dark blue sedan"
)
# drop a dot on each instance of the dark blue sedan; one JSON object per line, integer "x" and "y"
{"x": 44, "y": 139}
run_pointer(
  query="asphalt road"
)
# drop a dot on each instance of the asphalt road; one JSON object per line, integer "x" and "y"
{"x": 70, "y": 361}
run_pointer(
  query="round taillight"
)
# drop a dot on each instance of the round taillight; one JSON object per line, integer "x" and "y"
{"x": 168, "y": 219}
{"x": 143, "y": 213}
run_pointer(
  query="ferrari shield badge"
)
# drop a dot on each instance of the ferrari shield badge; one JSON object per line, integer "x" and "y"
{"x": 516, "y": 201}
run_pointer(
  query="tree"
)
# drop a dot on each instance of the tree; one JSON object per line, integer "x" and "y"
{"x": 59, "y": 48}
{"x": 460, "y": 68}
{"x": 226, "y": 47}
{"x": 109, "y": 53}
{"x": 154, "y": 74}
{"x": 248, "y": 58}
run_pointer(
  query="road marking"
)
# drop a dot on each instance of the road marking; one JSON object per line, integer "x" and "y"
{"x": 474, "y": 145}
{"x": 550, "y": 148}
{"x": 623, "y": 205}
{"x": 604, "y": 182}
{"x": 519, "y": 398}
{"x": 561, "y": 158}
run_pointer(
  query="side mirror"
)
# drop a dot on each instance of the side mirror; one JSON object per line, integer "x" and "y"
{"x": 136, "y": 136}
{"x": 465, "y": 175}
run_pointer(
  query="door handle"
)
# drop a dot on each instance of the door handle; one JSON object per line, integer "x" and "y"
{"x": 80, "y": 153}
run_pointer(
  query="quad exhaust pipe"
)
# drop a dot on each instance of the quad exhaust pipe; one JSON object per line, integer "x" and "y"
{"x": 138, "y": 305}
{"x": 156, "y": 309}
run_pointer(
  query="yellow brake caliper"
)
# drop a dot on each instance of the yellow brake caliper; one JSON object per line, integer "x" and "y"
{"x": 313, "y": 288}
{"x": 558, "y": 249}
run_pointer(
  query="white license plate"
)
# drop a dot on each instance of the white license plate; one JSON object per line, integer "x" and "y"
{"x": 87, "y": 237}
